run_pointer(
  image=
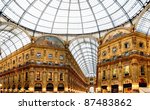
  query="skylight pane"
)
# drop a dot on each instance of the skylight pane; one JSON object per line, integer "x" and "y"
{"x": 28, "y": 12}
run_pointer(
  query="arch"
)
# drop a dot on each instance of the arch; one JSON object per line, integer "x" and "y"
{"x": 82, "y": 50}
{"x": 13, "y": 87}
{"x": 141, "y": 14}
{"x": 12, "y": 37}
{"x": 50, "y": 87}
{"x": 61, "y": 87}
{"x": 38, "y": 87}
{"x": 15, "y": 26}
{"x": 26, "y": 86}
{"x": 19, "y": 87}
{"x": 82, "y": 37}
{"x": 50, "y": 40}
{"x": 111, "y": 34}
{"x": 143, "y": 21}
{"x": 127, "y": 81}
{"x": 142, "y": 82}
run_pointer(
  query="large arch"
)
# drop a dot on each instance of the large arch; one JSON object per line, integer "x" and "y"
{"x": 142, "y": 82}
{"x": 61, "y": 87}
{"x": 12, "y": 38}
{"x": 50, "y": 40}
{"x": 50, "y": 87}
{"x": 26, "y": 86}
{"x": 84, "y": 50}
{"x": 38, "y": 87}
{"x": 143, "y": 22}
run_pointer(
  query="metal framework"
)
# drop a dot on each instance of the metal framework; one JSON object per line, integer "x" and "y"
{"x": 84, "y": 51}
{"x": 144, "y": 23}
{"x": 11, "y": 39}
{"x": 71, "y": 16}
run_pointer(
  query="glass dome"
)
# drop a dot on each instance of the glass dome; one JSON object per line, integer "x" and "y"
{"x": 85, "y": 51}
{"x": 71, "y": 16}
{"x": 144, "y": 23}
{"x": 11, "y": 39}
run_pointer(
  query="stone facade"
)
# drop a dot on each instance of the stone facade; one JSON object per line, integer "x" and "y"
{"x": 45, "y": 65}
{"x": 123, "y": 62}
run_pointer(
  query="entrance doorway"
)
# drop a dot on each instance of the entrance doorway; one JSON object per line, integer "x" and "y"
{"x": 114, "y": 89}
{"x": 142, "y": 83}
{"x": 127, "y": 88}
{"x": 104, "y": 89}
{"x": 61, "y": 87}
{"x": 38, "y": 87}
{"x": 50, "y": 87}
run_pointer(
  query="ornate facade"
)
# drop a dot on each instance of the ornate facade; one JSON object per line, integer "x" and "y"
{"x": 44, "y": 65}
{"x": 123, "y": 61}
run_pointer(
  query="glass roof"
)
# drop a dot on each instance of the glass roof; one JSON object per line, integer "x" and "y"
{"x": 11, "y": 39}
{"x": 84, "y": 51}
{"x": 144, "y": 23}
{"x": 71, "y": 16}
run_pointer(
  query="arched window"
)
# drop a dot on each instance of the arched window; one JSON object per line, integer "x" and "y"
{"x": 26, "y": 87}
{"x": 61, "y": 87}
{"x": 61, "y": 77}
{"x": 13, "y": 87}
{"x": 38, "y": 75}
{"x": 38, "y": 87}
{"x": 49, "y": 76}
{"x": 49, "y": 87}
{"x": 19, "y": 87}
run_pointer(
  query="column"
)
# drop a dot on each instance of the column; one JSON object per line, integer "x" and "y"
{"x": 135, "y": 74}
{"x": 31, "y": 79}
{"x": 120, "y": 76}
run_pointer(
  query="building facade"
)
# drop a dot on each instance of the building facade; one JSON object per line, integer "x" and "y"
{"x": 44, "y": 65}
{"x": 123, "y": 61}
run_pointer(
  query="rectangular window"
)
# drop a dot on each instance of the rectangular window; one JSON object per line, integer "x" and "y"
{"x": 142, "y": 70}
{"x": 114, "y": 75}
{"x": 27, "y": 56}
{"x": 126, "y": 45}
{"x": 49, "y": 77}
{"x": 141, "y": 45}
{"x": 61, "y": 76}
{"x": 38, "y": 55}
{"x": 19, "y": 59}
{"x": 126, "y": 70}
{"x": 104, "y": 74}
{"x": 38, "y": 76}
{"x": 50, "y": 63}
{"x": 61, "y": 57}
{"x": 50, "y": 56}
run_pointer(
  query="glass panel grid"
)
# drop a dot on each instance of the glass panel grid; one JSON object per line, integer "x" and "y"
{"x": 75, "y": 16}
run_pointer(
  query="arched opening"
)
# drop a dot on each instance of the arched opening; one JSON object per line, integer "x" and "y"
{"x": 19, "y": 87}
{"x": 104, "y": 89}
{"x": 13, "y": 87}
{"x": 91, "y": 89}
{"x": 8, "y": 88}
{"x": 38, "y": 87}
{"x": 61, "y": 87}
{"x": 142, "y": 83}
{"x": 114, "y": 88}
{"x": 127, "y": 88}
{"x": 50, "y": 87}
{"x": 26, "y": 87}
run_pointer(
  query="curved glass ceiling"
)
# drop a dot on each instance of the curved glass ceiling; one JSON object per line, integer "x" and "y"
{"x": 11, "y": 39}
{"x": 84, "y": 51}
{"x": 71, "y": 16}
{"x": 144, "y": 23}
